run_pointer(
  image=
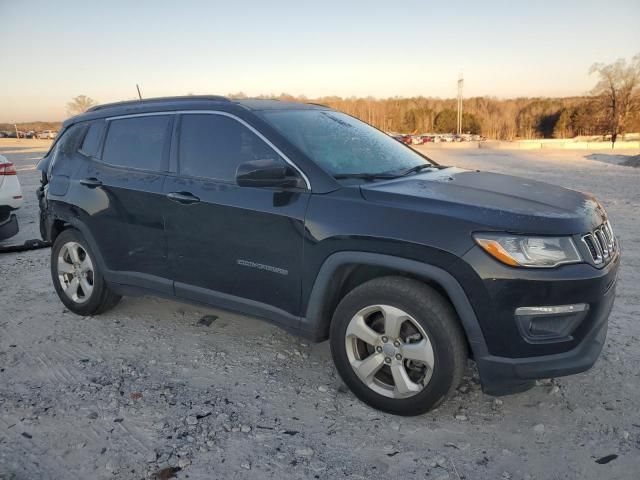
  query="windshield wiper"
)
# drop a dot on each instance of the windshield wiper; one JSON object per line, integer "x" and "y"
{"x": 418, "y": 168}
{"x": 365, "y": 176}
{"x": 388, "y": 175}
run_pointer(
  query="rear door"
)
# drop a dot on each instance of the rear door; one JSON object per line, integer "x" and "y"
{"x": 237, "y": 247}
{"x": 123, "y": 197}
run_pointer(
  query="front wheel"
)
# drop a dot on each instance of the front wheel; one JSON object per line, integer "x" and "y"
{"x": 398, "y": 345}
{"x": 76, "y": 276}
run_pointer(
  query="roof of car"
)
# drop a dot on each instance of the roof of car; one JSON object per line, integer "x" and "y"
{"x": 184, "y": 103}
{"x": 268, "y": 104}
{"x": 159, "y": 101}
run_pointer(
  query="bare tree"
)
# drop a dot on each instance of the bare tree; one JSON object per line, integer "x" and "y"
{"x": 617, "y": 88}
{"x": 80, "y": 104}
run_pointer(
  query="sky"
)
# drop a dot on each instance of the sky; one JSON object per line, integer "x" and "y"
{"x": 53, "y": 51}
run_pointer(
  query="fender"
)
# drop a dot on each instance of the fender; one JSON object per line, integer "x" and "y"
{"x": 315, "y": 325}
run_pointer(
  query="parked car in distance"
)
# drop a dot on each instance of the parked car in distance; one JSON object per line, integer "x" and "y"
{"x": 329, "y": 228}
{"x": 47, "y": 135}
{"x": 10, "y": 198}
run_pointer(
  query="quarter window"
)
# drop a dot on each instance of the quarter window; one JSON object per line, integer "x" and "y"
{"x": 212, "y": 146}
{"x": 92, "y": 139}
{"x": 137, "y": 142}
{"x": 67, "y": 144}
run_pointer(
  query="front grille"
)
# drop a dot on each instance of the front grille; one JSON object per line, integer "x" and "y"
{"x": 601, "y": 243}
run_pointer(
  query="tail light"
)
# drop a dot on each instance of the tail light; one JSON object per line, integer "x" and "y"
{"x": 7, "y": 169}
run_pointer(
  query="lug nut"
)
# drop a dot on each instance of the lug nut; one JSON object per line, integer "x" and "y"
{"x": 379, "y": 349}
{"x": 387, "y": 359}
{"x": 385, "y": 339}
{"x": 396, "y": 343}
{"x": 398, "y": 356}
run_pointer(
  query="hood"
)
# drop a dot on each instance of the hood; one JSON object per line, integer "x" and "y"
{"x": 493, "y": 201}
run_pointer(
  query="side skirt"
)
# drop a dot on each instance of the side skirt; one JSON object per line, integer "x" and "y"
{"x": 205, "y": 297}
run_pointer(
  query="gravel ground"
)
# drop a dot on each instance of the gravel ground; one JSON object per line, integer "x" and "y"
{"x": 148, "y": 390}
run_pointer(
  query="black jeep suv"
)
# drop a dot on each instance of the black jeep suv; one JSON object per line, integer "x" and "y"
{"x": 329, "y": 228}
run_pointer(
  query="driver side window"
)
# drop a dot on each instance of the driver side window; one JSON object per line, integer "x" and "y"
{"x": 212, "y": 146}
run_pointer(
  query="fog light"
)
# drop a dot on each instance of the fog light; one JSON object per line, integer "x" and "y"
{"x": 550, "y": 323}
{"x": 555, "y": 310}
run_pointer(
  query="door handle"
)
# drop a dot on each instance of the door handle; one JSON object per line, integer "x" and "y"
{"x": 91, "y": 182}
{"x": 183, "y": 197}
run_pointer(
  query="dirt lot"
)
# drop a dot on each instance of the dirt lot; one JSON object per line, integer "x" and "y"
{"x": 146, "y": 386}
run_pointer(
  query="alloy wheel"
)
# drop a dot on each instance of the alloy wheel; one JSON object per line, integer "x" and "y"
{"x": 75, "y": 272}
{"x": 389, "y": 351}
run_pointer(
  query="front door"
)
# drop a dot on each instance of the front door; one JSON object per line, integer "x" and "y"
{"x": 236, "y": 247}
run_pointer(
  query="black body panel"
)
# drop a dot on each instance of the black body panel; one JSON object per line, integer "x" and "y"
{"x": 239, "y": 241}
{"x": 125, "y": 214}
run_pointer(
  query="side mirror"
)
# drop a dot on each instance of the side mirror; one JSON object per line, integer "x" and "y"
{"x": 269, "y": 172}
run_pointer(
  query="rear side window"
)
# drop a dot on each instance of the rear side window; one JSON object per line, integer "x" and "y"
{"x": 137, "y": 142}
{"x": 212, "y": 146}
{"x": 92, "y": 139}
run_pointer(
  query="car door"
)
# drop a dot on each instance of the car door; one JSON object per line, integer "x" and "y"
{"x": 236, "y": 247}
{"x": 124, "y": 200}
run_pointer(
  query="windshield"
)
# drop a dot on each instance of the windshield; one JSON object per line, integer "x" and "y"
{"x": 341, "y": 144}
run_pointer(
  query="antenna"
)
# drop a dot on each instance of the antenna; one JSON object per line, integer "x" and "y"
{"x": 460, "y": 85}
{"x": 139, "y": 94}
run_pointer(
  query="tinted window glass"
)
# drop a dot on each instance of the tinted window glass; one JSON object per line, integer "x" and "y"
{"x": 92, "y": 139}
{"x": 72, "y": 138}
{"x": 213, "y": 146}
{"x": 67, "y": 144}
{"x": 137, "y": 142}
{"x": 342, "y": 144}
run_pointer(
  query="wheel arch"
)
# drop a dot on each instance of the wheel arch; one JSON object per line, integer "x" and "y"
{"x": 59, "y": 225}
{"x": 343, "y": 271}
{"x": 56, "y": 228}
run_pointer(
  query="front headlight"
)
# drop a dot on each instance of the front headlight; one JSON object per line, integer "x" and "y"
{"x": 524, "y": 251}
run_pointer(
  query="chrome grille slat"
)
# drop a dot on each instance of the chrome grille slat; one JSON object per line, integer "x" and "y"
{"x": 601, "y": 244}
{"x": 588, "y": 240}
{"x": 609, "y": 231}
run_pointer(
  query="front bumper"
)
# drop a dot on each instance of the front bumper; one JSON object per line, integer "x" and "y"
{"x": 502, "y": 376}
{"x": 507, "y": 360}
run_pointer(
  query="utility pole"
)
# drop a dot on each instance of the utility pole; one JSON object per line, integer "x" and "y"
{"x": 460, "y": 85}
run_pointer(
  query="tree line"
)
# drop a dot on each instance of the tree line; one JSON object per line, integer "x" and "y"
{"x": 611, "y": 109}
{"x": 490, "y": 117}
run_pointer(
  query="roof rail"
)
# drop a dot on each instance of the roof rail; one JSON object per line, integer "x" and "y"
{"x": 214, "y": 98}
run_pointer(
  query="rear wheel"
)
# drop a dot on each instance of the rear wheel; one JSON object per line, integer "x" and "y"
{"x": 398, "y": 345}
{"x": 77, "y": 277}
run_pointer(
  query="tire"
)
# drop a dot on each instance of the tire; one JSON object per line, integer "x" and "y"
{"x": 429, "y": 333}
{"x": 85, "y": 269}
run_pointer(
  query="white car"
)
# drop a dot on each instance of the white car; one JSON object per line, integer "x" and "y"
{"x": 10, "y": 198}
{"x": 47, "y": 134}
